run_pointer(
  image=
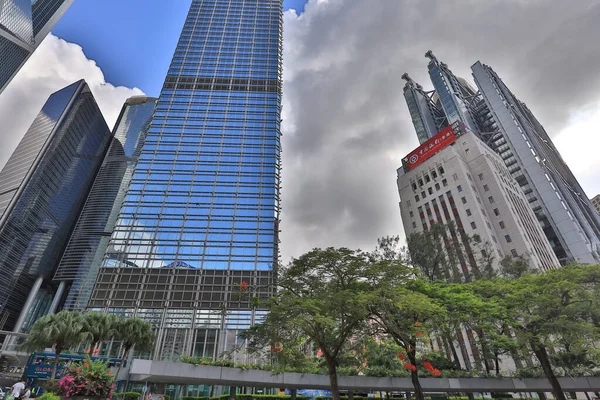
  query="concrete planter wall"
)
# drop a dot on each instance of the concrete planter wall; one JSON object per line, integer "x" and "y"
{"x": 180, "y": 373}
{"x": 82, "y": 398}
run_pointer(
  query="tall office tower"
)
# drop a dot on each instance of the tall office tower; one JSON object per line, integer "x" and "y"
{"x": 197, "y": 235}
{"x": 456, "y": 180}
{"x": 23, "y": 26}
{"x": 506, "y": 125}
{"x": 43, "y": 186}
{"x": 562, "y": 207}
{"x": 83, "y": 256}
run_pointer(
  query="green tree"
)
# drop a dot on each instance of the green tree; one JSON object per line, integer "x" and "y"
{"x": 98, "y": 327}
{"x": 467, "y": 309}
{"x": 406, "y": 315}
{"x": 321, "y": 296}
{"x": 382, "y": 357}
{"x": 542, "y": 309}
{"x": 515, "y": 267}
{"x": 61, "y": 331}
{"x": 133, "y": 332}
{"x": 435, "y": 254}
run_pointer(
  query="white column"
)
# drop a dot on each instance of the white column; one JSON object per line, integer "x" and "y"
{"x": 59, "y": 294}
{"x": 32, "y": 294}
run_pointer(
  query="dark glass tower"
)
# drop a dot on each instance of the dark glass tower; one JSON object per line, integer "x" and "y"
{"x": 84, "y": 253}
{"x": 23, "y": 26}
{"x": 197, "y": 235}
{"x": 42, "y": 189}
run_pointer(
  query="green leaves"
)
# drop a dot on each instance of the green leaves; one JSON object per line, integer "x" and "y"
{"x": 62, "y": 331}
{"x": 98, "y": 327}
{"x": 336, "y": 299}
{"x": 69, "y": 329}
{"x": 135, "y": 332}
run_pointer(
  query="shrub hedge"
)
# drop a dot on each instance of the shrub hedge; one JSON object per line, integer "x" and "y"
{"x": 48, "y": 396}
{"x": 248, "y": 397}
{"x": 128, "y": 395}
{"x": 343, "y": 397}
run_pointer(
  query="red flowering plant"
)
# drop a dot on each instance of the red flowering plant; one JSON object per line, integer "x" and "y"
{"x": 89, "y": 378}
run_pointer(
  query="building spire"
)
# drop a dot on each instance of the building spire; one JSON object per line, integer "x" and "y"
{"x": 430, "y": 55}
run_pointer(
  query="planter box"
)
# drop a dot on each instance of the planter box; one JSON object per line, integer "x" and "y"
{"x": 181, "y": 373}
{"x": 83, "y": 398}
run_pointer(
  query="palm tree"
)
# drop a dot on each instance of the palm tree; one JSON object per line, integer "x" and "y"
{"x": 133, "y": 332}
{"x": 61, "y": 331}
{"x": 98, "y": 327}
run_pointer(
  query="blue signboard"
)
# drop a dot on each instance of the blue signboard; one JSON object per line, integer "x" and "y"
{"x": 44, "y": 371}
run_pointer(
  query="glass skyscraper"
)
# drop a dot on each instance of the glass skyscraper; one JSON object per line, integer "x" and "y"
{"x": 197, "y": 235}
{"x": 83, "y": 256}
{"x": 23, "y": 26}
{"x": 43, "y": 186}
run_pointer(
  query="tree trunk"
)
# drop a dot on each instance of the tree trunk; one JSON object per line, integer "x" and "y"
{"x": 333, "y": 381}
{"x": 57, "y": 351}
{"x": 125, "y": 352}
{"x": 93, "y": 348}
{"x": 497, "y": 363}
{"x": 485, "y": 349}
{"x": 542, "y": 355}
{"x": 448, "y": 337}
{"x": 414, "y": 375}
{"x": 446, "y": 347}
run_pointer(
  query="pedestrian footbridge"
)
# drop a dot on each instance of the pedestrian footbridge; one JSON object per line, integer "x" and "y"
{"x": 188, "y": 374}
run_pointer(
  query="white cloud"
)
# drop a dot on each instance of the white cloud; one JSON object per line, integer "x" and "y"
{"x": 346, "y": 125}
{"x": 578, "y": 144}
{"x": 54, "y": 65}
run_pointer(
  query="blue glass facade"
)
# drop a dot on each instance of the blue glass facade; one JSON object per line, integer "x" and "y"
{"x": 45, "y": 13}
{"x": 428, "y": 117}
{"x": 84, "y": 253}
{"x": 205, "y": 192}
{"x": 455, "y": 94}
{"x": 23, "y": 26}
{"x": 43, "y": 186}
{"x": 15, "y": 19}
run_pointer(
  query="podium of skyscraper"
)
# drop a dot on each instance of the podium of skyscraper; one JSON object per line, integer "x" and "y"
{"x": 197, "y": 234}
{"x": 23, "y": 26}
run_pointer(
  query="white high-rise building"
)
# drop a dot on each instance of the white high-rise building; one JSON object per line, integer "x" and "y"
{"x": 456, "y": 180}
{"x": 494, "y": 114}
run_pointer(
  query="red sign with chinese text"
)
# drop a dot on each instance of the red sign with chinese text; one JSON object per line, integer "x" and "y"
{"x": 436, "y": 143}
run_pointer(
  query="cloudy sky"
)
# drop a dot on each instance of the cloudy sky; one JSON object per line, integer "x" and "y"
{"x": 346, "y": 126}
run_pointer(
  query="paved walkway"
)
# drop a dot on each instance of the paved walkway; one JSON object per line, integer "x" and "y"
{"x": 181, "y": 373}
